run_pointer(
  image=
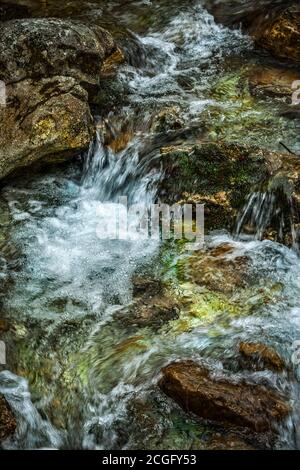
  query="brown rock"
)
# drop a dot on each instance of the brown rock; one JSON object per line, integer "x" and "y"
{"x": 7, "y": 421}
{"x": 261, "y": 357}
{"x": 228, "y": 442}
{"x": 222, "y": 400}
{"x": 153, "y": 306}
{"x": 42, "y": 121}
{"x": 281, "y": 37}
{"x": 273, "y": 82}
{"x": 219, "y": 270}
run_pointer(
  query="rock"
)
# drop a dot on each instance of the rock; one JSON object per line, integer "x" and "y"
{"x": 44, "y": 121}
{"x": 281, "y": 35}
{"x": 47, "y": 47}
{"x": 217, "y": 174}
{"x": 219, "y": 269}
{"x": 3, "y": 325}
{"x": 7, "y": 421}
{"x": 228, "y": 442}
{"x": 168, "y": 119}
{"x": 110, "y": 65}
{"x": 258, "y": 356}
{"x": 153, "y": 306}
{"x": 247, "y": 13}
{"x": 272, "y": 82}
{"x": 52, "y": 69}
{"x": 224, "y": 400}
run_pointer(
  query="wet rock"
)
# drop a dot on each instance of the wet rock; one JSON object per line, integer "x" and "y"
{"x": 272, "y": 82}
{"x": 228, "y": 442}
{"x": 42, "y": 48}
{"x": 110, "y": 65}
{"x": 258, "y": 356}
{"x": 217, "y": 174}
{"x": 168, "y": 119}
{"x": 281, "y": 35}
{"x": 248, "y": 13}
{"x": 7, "y": 420}
{"x": 153, "y": 306}
{"x": 4, "y": 326}
{"x": 219, "y": 269}
{"x": 45, "y": 121}
{"x": 224, "y": 399}
{"x": 52, "y": 70}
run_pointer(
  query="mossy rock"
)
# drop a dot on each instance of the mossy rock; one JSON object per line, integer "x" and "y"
{"x": 217, "y": 174}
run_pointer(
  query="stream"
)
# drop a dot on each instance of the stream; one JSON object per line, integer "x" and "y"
{"x": 80, "y": 374}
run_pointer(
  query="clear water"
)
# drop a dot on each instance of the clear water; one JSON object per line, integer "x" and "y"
{"x": 82, "y": 376}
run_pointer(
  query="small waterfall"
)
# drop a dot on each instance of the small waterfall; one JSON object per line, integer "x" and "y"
{"x": 270, "y": 214}
{"x": 32, "y": 431}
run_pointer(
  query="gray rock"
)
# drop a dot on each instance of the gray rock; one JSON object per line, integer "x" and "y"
{"x": 42, "y": 48}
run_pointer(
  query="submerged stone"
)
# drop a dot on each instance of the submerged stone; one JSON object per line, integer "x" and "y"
{"x": 7, "y": 420}
{"x": 258, "y": 356}
{"x": 225, "y": 399}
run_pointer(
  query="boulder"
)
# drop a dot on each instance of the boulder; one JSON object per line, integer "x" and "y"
{"x": 274, "y": 82}
{"x": 258, "y": 356}
{"x": 43, "y": 122}
{"x": 281, "y": 35}
{"x": 46, "y": 47}
{"x": 7, "y": 420}
{"x": 153, "y": 305}
{"x": 217, "y": 174}
{"x": 225, "y": 399}
{"x": 52, "y": 69}
{"x": 228, "y": 442}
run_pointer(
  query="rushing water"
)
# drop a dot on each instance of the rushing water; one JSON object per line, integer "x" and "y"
{"x": 91, "y": 374}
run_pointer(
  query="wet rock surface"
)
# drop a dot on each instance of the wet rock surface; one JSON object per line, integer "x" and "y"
{"x": 258, "y": 356}
{"x": 219, "y": 175}
{"x": 273, "y": 82}
{"x": 224, "y": 399}
{"x": 153, "y": 305}
{"x": 7, "y": 421}
{"x": 43, "y": 122}
{"x": 51, "y": 69}
{"x": 281, "y": 36}
{"x": 41, "y": 48}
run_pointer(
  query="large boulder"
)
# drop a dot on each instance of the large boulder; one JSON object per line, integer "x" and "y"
{"x": 281, "y": 35}
{"x": 225, "y": 399}
{"x": 43, "y": 122}
{"x": 7, "y": 420}
{"x": 51, "y": 69}
{"x": 217, "y": 174}
{"x": 42, "y": 48}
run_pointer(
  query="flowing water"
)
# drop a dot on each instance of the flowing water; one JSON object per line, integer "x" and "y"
{"x": 90, "y": 372}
